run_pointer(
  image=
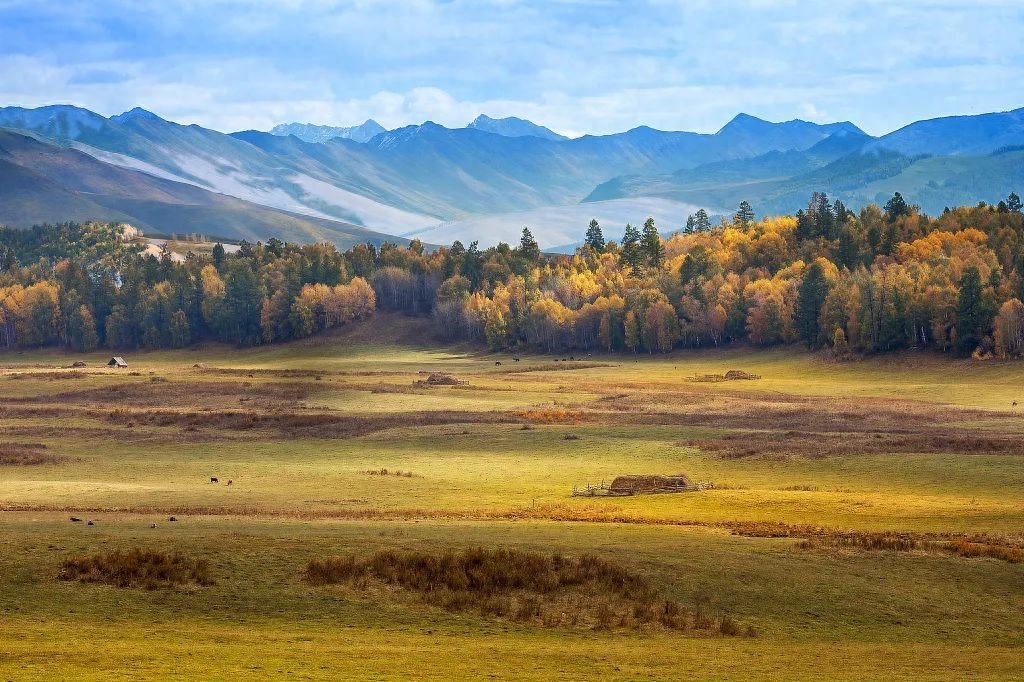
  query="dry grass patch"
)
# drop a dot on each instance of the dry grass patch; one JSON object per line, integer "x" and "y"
{"x": 306, "y": 424}
{"x": 27, "y": 454}
{"x": 548, "y": 590}
{"x": 818, "y": 445}
{"x": 147, "y": 568}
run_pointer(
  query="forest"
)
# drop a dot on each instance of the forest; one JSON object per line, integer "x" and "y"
{"x": 884, "y": 278}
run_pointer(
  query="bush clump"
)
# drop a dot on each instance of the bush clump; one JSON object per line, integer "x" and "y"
{"x": 551, "y": 590}
{"x": 147, "y": 568}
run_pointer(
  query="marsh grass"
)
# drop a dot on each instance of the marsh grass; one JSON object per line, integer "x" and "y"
{"x": 550, "y": 590}
{"x": 27, "y": 454}
{"x": 150, "y": 569}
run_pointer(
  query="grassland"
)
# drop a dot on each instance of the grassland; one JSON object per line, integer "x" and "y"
{"x": 913, "y": 446}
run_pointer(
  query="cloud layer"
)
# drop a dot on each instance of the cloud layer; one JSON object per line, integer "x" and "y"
{"x": 576, "y": 66}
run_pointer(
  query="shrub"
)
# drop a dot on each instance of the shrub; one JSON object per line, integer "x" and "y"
{"x": 151, "y": 569}
{"x": 524, "y": 586}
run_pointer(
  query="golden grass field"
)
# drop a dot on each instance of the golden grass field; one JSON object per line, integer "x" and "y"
{"x": 812, "y": 464}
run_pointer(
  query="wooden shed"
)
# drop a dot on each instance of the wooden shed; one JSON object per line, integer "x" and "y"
{"x": 117, "y": 361}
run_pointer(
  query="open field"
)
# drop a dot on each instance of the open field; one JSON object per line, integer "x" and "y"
{"x": 812, "y": 464}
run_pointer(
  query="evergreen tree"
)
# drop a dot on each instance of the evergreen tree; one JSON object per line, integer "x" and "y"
{"x": 653, "y": 249}
{"x": 896, "y": 207}
{"x": 691, "y": 225}
{"x": 848, "y": 250}
{"x": 744, "y": 217}
{"x": 243, "y": 301}
{"x": 528, "y": 248}
{"x": 970, "y": 317}
{"x": 703, "y": 222}
{"x": 805, "y": 226}
{"x": 218, "y": 255}
{"x": 631, "y": 251}
{"x": 1013, "y": 203}
{"x": 595, "y": 238}
{"x": 809, "y": 299}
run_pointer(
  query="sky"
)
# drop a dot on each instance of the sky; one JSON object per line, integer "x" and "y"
{"x": 576, "y": 66}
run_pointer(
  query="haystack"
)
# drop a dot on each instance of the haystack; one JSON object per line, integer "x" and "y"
{"x": 649, "y": 483}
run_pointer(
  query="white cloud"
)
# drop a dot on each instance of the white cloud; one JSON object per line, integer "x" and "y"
{"x": 574, "y": 66}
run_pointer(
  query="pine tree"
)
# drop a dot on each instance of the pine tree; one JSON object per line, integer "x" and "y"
{"x": 896, "y": 207}
{"x": 631, "y": 253}
{"x": 744, "y": 217}
{"x": 809, "y": 300}
{"x": 702, "y": 220}
{"x": 595, "y": 238}
{"x": 653, "y": 249}
{"x": 528, "y": 248}
{"x": 691, "y": 225}
{"x": 218, "y": 255}
{"x": 970, "y": 320}
{"x": 1013, "y": 203}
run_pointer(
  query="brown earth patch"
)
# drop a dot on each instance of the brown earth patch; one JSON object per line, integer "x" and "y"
{"x": 27, "y": 454}
{"x": 781, "y": 444}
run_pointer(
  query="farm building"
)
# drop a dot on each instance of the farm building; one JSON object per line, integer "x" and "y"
{"x": 117, "y": 361}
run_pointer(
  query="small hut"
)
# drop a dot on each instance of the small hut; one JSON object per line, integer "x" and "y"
{"x": 117, "y": 361}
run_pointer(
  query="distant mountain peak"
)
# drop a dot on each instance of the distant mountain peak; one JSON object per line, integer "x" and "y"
{"x": 745, "y": 123}
{"x": 134, "y": 114}
{"x": 308, "y": 132}
{"x": 513, "y": 127}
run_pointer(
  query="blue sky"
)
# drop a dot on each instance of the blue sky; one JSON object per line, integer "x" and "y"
{"x": 576, "y": 66}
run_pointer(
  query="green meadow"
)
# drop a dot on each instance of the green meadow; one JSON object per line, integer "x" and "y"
{"x": 815, "y": 467}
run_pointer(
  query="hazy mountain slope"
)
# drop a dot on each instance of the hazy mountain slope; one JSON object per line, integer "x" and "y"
{"x": 513, "y": 127}
{"x": 718, "y": 183}
{"x": 976, "y": 135}
{"x": 427, "y": 171}
{"x": 44, "y": 183}
{"x": 560, "y": 227}
{"x": 308, "y": 132}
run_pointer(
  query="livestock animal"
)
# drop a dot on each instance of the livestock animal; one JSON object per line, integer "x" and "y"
{"x": 497, "y": 363}
{"x": 75, "y": 519}
{"x": 213, "y": 479}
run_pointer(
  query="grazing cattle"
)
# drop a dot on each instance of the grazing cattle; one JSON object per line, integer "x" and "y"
{"x": 172, "y": 518}
{"x": 515, "y": 359}
{"x": 75, "y": 519}
{"x": 213, "y": 479}
{"x": 497, "y": 363}
{"x": 230, "y": 481}
{"x": 90, "y": 524}
{"x": 152, "y": 525}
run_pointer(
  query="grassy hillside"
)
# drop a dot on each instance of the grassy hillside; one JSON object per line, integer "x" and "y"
{"x": 916, "y": 447}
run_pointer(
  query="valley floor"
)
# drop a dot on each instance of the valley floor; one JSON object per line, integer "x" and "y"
{"x": 813, "y": 464}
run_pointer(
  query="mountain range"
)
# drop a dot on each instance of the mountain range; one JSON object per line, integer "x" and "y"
{"x": 484, "y": 182}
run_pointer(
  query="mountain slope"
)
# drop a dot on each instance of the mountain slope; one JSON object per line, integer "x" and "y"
{"x": 982, "y": 134}
{"x": 44, "y": 183}
{"x": 412, "y": 177}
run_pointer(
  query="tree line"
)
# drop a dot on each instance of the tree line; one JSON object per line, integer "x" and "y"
{"x": 884, "y": 278}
